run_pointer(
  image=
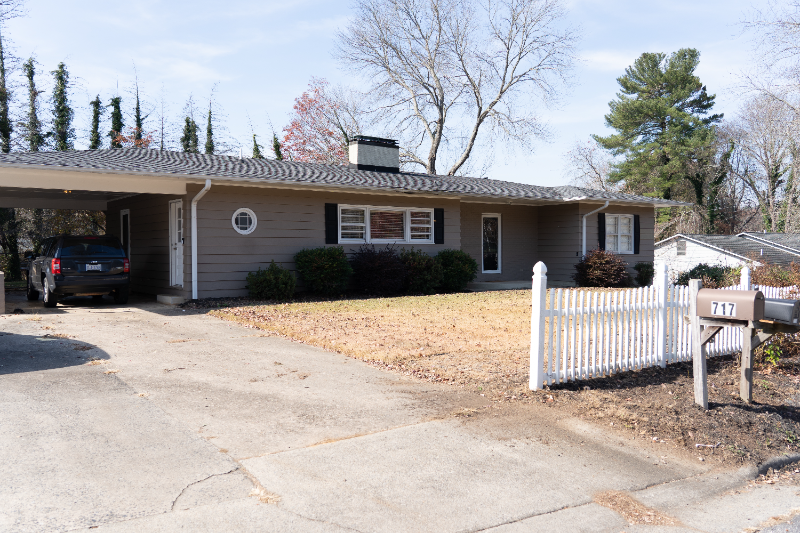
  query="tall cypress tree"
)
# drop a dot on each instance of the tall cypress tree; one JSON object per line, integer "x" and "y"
{"x": 95, "y": 141}
{"x": 63, "y": 114}
{"x": 33, "y": 128}
{"x": 209, "y": 133}
{"x": 276, "y": 147}
{"x": 5, "y": 121}
{"x": 256, "y": 149}
{"x": 116, "y": 121}
{"x": 137, "y": 117}
{"x": 189, "y": 141}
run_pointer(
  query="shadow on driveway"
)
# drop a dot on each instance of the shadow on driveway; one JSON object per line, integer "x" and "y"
{"x": 28, "y": 353}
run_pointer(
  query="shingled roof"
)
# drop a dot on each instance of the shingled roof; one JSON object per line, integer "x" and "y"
{"x": 743, "y": 247}
{"x": 231, "y": 168}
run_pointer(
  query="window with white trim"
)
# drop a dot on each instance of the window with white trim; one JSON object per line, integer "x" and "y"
{"x": 244, "y": 221}
{"x": 371, "y": 224}
{"x": 619, "y": 234}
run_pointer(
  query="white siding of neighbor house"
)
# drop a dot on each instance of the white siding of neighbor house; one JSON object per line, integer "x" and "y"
{"x": 667, "y": 253}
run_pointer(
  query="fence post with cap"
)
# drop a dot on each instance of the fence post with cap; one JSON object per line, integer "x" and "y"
{"x": 538, "y": 303}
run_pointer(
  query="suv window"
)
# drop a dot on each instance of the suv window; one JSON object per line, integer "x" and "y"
{"x": 46, "y": 245}
{"x": 91, "y": 246}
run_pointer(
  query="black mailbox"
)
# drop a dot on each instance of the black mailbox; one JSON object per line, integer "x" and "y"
{"x": 783, "y": 311}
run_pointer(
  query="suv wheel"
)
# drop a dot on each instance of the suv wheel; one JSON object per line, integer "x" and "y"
{"x": 49, "y": 297}
{"x": 33, "y": 294}
{"x": 121, "y": 295}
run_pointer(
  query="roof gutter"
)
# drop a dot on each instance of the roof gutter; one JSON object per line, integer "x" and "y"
{"x": 583, "y": 248}
{"x": 196, "y": 199}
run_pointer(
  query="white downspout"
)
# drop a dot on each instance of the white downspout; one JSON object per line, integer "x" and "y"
{"x": 196, "y": 199}
{"x": 583, "y": 249}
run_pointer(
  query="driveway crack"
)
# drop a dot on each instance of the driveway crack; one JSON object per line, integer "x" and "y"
{"x": 172, "y": 508}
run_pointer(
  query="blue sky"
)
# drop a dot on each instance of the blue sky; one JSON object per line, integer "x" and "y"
{"x": 261, "y": 55}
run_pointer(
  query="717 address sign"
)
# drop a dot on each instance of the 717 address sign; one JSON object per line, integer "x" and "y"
{"x": 727, "y": 309}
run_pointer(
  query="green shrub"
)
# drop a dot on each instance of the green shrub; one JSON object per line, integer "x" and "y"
{"x": 458, "y": 269}
{"x": 645, "y": 271}
{"x": 713, "y": 276}
{"x": 600, "y": 268}
{"x": 379, "y": 272}
{"x": 324, "y": 270}
{"x": 274, "y": 283}
{"x": 423, "y": 272}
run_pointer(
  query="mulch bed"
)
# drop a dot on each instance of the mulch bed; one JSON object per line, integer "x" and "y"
{"x": 658, "y": 404}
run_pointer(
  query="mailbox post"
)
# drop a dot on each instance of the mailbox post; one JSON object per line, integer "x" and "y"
{"x": 759, "y": 319}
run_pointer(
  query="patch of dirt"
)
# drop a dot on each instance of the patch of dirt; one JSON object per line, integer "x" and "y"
{"x": 632, "y": 510}
{"x": 479, "y": 343}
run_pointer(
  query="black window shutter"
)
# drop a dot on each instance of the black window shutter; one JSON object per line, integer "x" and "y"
{"x": 636, "y": 234}
{"x": 601, "y": 230}
{"x": 438, "y": 225}
{"x": 331, "y": 223}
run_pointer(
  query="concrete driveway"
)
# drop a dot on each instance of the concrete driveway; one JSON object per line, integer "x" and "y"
{"x": 149, "y": 418}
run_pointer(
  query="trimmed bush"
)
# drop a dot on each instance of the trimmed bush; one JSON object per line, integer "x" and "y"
{"x": 713, "y": 276}
{"x": 458, "y": 269}
{"x": 380, "y": 272}
{"x": 423, "y": 272}
{"x": 274, "y": 283}
{"x": 600, "y": 268}
{"x": 645, "y": 271}
{"x": 324, "y": 270}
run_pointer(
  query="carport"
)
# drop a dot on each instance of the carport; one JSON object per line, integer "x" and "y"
{"x": 61, "y": 187}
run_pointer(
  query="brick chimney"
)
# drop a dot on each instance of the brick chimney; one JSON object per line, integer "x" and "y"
{"x": 374, "y": 153}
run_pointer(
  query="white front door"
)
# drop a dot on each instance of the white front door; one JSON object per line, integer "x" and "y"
{"x": 176, "y": 243}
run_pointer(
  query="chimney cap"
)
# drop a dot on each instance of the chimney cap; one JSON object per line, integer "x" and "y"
{"x": 373, "y": 140}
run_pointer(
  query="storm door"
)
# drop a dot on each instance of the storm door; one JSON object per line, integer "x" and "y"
{"x": 176, "y": 243}
{"x": 491, "y": 244}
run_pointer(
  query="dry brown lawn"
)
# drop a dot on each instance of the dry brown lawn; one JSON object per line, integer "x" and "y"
{"x": 473, "y": 338}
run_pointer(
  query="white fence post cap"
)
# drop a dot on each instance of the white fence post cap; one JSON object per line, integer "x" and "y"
{"x": 539, "y": 268}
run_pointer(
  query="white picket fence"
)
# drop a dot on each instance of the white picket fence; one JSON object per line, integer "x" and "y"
{"x": 581, "y": 334}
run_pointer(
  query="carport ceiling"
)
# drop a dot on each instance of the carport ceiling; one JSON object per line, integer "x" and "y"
{"x": 57, "y": 199}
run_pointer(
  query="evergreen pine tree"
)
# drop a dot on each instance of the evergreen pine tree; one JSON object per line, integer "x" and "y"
{"x": 95, "y": 141}
{"x": 209, "y": 133}
{"x": 276, "y": 147}
{"x": 662, "y": 122}
{"x": 189, "y": 141}
{"x": 33, "y": 128}
{"x": 5, "y": 121}
{"x": 256, "y": 149}
{"x": 63, "y": 114}
{"x": 116, "y": 121}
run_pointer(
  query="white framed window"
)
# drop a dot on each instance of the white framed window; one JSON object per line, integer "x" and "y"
{"x": 619, "y": 234}
{"x": 244, "y": 221}
{"x": 373, "y": 224}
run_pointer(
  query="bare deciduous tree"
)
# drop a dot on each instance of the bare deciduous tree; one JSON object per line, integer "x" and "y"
{"x": 588, "y": 165}
{"x": 443, "y": 70}
{"x": 764, "y": 133}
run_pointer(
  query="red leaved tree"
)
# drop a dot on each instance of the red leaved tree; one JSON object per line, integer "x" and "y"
{"x": 132, "y": 141}
{"x": 321, "y": 126}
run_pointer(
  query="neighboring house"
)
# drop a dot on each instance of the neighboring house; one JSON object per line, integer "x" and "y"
{"x": 248, "y": 212}
{"x": 683, "y": 252}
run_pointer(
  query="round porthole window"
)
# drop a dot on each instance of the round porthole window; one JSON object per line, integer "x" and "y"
{"x": 244, "y": 221}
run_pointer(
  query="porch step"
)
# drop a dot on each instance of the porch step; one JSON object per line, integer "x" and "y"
{"x": 170, "y": 299}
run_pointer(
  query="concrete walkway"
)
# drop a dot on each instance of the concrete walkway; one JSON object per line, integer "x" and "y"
{"x": 149, "y": 418}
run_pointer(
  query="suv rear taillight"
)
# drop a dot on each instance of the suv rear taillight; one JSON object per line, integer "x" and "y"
{"x": 126, "y": 265}
{"x": 55, "y": 266}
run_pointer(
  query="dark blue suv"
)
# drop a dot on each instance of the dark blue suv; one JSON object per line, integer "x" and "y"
{"x": 87, "y": 265}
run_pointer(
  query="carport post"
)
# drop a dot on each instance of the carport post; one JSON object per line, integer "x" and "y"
{"x": 2, "y": 293}
{"x": 196, "y": 199}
